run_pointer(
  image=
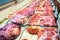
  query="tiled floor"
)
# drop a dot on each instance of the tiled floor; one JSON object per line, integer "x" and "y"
{"x": 12, "y": 9}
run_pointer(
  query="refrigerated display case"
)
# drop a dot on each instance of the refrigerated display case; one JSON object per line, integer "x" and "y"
{"x": 38, "y": 21}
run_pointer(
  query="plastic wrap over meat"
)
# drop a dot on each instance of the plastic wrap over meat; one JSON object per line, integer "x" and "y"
{"x": 26, "y": 11}
{"x": 47, "y": 20}
{"x": 9, "y": 31}
{"x": 48, "y": 34}
{"x": 21, "y": 19}
{"x": 36, "y": 19}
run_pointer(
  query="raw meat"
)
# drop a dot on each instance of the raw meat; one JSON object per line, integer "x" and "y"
{"x": 36, "y": 19}
{"x": 9, "y": 31}
{"x": 48, "y": 34}
{"x": 32, "y": 30}
{"x": 21, "y": 19}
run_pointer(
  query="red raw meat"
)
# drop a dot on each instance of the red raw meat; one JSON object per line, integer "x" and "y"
{"x": 48, "y": 34}
{"x": 48, "y": 38}
{"x": 21, "y": 19}
{"x": 47, "y": 20}
{"x": 36, "y": 19}
{"x": 47, "y": 2}
{"x": 44, "y": 10}
{"x": 50, "y": 10}
{"x": 33, "y": 20}
{"x": 32, "y": 30}
{"x": 26, "y": 11}
{"x": 50, "y": 31}
{"x": 10, "y": 31}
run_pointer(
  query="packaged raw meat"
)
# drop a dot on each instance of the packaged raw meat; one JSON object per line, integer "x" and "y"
{"x": 36, "y": 19}
{"x": 32, "y": 30}
{"x": 26, "y": 11}
{"x": 44, "y": 9}
{"x": 21, "y": 19}
{"x": 10, "y": 31}
{"x": 48, "y": 34}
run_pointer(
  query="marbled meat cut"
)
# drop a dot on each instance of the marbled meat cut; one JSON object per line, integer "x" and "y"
{"x": 48, "y": 34}
{"x": 44, "y": 8}
{"x": 43, "y": 15}
{"x": 9, "y": 32}
{"x": 47, "y": 20}
{"x": 21, "y": 19}
{"x": 36, "y": 19}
